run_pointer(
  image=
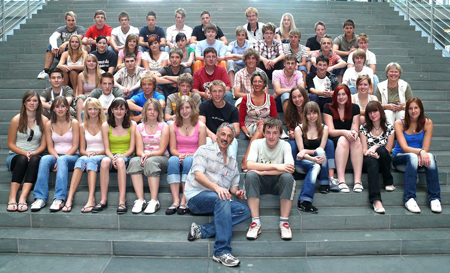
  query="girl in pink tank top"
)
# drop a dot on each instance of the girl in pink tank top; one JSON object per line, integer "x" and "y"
{"x": 187, "y": 133}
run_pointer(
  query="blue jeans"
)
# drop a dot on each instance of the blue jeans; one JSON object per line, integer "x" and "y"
{"x": 312, "y": 170}
{"x": 177, "y": 172}
{"x": 409, "y": 163}
{"x": 89, "y": 163}
{"x": 226, "y": 214}
{"x": 329, "y": 152}
{"x": 64, "y": 163}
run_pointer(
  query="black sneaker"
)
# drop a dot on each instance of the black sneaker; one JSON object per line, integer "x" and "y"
{"x": 194, "y": 233}
{"x": 307, "y": 207}
{"x": 324, "y": 189}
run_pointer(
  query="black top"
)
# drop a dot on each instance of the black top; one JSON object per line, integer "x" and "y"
{"x": 167, "y": 71}
{"x": 339, "y": 124}
{"x": 200, "y": 34}
{"x": 216, "y": 116}
{"x": 106, "y": 59}
{"x": 312, "y": 43}
{"x": 312, "y": 143}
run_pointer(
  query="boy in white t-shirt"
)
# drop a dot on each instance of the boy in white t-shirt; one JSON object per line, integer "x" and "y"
{"x": 120, "y": 34}
{"x": 352, "y": 73}
{"x": 371, "y": 60}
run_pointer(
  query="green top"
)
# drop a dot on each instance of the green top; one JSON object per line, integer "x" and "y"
{"x": 119, "y": 145}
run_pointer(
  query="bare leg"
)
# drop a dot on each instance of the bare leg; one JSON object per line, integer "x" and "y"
{"x": 104, "y": 179}
{"x": 26, "y": 188}
{"x": 285, "y": 207}
{"x": 183, "y": 198}
{"x": 79, "y": 109}
{"x": 285, "y": 104}
{"x": 231, "y": 75}
{"x": 48, "y": 60}
{"x": 65, "y": 78}
{"x": 92, "y": 181}
{"x": 122, "y": 179}
{"x": 153, "y": 183}
{"x": 13, "y": 193}
{"x": 253, "y": 204}
{"x": 258, "y": 134}
{"x": 342, "y": 151}
{"x": 330, "y": 172}
{"x": 76, "y": 179}
{"x": 73, "y": 79}
{"x": 138, "y": 185}
{"x": 357, "y": 159}
{"x": 175, "y": 189}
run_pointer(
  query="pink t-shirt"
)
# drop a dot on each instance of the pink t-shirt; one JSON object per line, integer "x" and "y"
{"x": 187, "y": 144}
{"x": 279, "y": 76}
{"x": 152, "y": 141}
{"x": 122, "y": 55}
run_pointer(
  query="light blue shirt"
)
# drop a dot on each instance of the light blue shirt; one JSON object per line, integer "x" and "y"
{"x": 234, "y": 48}
{"x": 219, "y": 46}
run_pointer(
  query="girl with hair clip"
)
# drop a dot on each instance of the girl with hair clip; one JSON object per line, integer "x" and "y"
{"x": 152, "y": 138}
{"x": 92, "y": 152}
{"x": 71, "y": 62}
{"x": 119, "y": 142}
{"x": 362, "y": 97}
{"x": 26, "y": 143}
{"x": 62, "y": 137}
{"x": 88, "y": 80}
{"x": 286, "y": 24}
{"x": 311, "y": 137}
{"x": 154, "y": 58}
{"x": 342, "y": 119}
{"x": 377, "y": 137}
{"x": 414, "y": 133}
{"x": 188, "y": 52}
{"x": 187, "y": 133}
{"x": 131, "y": 46}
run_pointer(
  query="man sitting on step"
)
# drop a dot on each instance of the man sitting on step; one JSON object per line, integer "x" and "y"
{"x": 63, "y": 32}
{"x": 97, "y": 30}
{"x": 129, "y": 77}
{"x": 56, "y": 89}
{"x": 148, "y": 86}
{"x": 270, "y": 166}
{"x": 213, "y": 177}
{"x": 167, "y": 76}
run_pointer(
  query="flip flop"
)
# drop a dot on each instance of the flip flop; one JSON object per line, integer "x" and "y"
{"x": 12, "y": 204}
{"x": 67, "y": 209}
{"x": 87, "y": 209}
{"x": 21, "y": 207}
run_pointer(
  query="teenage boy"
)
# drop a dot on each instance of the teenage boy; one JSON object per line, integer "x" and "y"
{"x": 352, "y": 73}
{"x": 210, "y": 72}
{"x": 167, "y": 77}
{"x": 371, "y": 60}
{"x": 216, "y": 111}
{"x": 321, "y": 83}
{"x": 148, "y": 85}
{"x": 270, "y": 51}
{"x": 128, "y": 78}
{"x": 300, "y": 51}
{"x": 235, "y": 53}
{"x": 284, "y": 79}
{"x": 107, "y": 60}
{"x": 253, "y": 27}
{"x": 63, "y": 32}
{"x": 120, "y": 33}
{"x": 210, "y": 41}
{"x": 107, "y": 92}
{"x": 335, "y": 61}
{"x": 345, "y": 44}
{"x": 149, "y": 29}
{"x": 198, "y": 34}
{"x": 270, "y": 166}
{"x": 184, "y": 82}
{"x": 214, "y": 176}
{"x": 313, "y": 43}
{"x": 97, "y": 30}
{"x": 242, "y": 84}
{"x": 179, "y": 27}
{"x": 57, "y": 89}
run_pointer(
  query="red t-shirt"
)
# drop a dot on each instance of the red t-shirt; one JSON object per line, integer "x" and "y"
{"x": 202, "y": 79}
{"x": 93, "y": 32}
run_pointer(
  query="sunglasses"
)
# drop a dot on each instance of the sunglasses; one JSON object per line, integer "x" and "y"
{"x": 30, "y": 137}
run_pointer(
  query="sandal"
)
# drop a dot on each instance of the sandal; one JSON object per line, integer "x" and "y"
{"x": 22, "y": 207}
{"x": 14, "y": 207}
{"x": 87, "y": 209}
{"x": 172, "y": 209}
{"x": 122, "y": 209}
{"x": 182, "y": 209}
{"x": 343, "y": 187}
{"x": 99, "y": 207}
{"x": 67, "y": 209}
{"x": 358, "y": 187}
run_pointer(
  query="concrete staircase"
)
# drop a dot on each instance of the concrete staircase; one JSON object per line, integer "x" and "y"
{"x": 345, "y": 226}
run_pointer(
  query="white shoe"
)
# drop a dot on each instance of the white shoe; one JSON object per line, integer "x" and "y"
{"x": 390, "y": 188}
{"x": 379, "y": 210}
{"x": 285, "y": 231}
{"x": 253, "y": 231}
{"x": 57, "y": 205}
{"x": 412, "y": 206}
{"x": 42, "y": 75}
{"x": 436, "y": 206}
{"x": 152, "y": 206}
{"x": 138, "y": 206}
{"x": 38, "y": 204}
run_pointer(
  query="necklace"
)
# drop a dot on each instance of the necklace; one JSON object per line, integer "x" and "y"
{"x": 377, "y": 130}
{"x": 186, "y": 127}
{"x": 31, "y": 119}
{"x": 151, "y": 126}
{"x": 60, "y": 126}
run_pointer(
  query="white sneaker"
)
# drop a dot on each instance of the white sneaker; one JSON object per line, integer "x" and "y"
{"x": 284, "y": 135}
{"x": 138, "y": 206}
{"x": 38, "y": 204}
{"x": 253, "y": 231}
{"x": 42, "y": 75}
{"x": 152, "y": 206}
{"x": 227, "y": 260}
{"x": 412, "y": 206}
{"x": 390, "y": 188}
{"x": 436, "y": 206}
{"x": 285, "y": 231}
{"x": 57, "y": 205}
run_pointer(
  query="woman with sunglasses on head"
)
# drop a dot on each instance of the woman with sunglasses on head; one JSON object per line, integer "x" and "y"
{"x": 92, "y": 152}
{"x": 62, "y": 137}
{"x": 119, "y": 141}
{"x": 26, "y": 143}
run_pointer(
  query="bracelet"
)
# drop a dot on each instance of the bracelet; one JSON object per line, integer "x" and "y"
{"x": 419, "y": 151}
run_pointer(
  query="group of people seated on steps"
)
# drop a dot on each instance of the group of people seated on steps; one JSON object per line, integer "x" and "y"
{"x": 105, "y": 113}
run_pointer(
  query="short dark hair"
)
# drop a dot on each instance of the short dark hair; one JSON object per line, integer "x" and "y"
{"x": 209, "y": 50}
{"x": 205, "y": 12}
{"x": 130, "y": 55}
{"x": 124, "y": 14}
{"x": 101, "y": 37}
{"x": 273, "y": 123}
{"x": 348, "y": 22}
{"x": 176, "y": 50}
{"x": 322, "y": 58}
{"x": 210, "y": 27}
{"x": 180, "y": 37}
{"x": 106, "y": 75}
{"x": 55, "y": 70}
{"x": 151, "y": 13}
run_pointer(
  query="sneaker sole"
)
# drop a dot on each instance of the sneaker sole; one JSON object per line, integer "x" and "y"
{"x": 157, "y": 208}
{"x": 220, "y": 262}
{"x": 312, "y": 212}
{"x": 35, "y": 210}
{"x": 254, "y": 238}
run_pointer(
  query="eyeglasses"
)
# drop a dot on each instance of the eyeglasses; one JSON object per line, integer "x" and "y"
{"x": 30, "y": 137}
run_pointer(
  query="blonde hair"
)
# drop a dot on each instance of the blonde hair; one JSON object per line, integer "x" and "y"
{"x": 96, "y": 103}
{"x": 194, "y": 111}
{"x": 156, "y": 105}
{"x": 292, "y": 23}
{"x": 98, "y": 71}
{"x": 79, "y": 51}
{"x": 251, "y": 10}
